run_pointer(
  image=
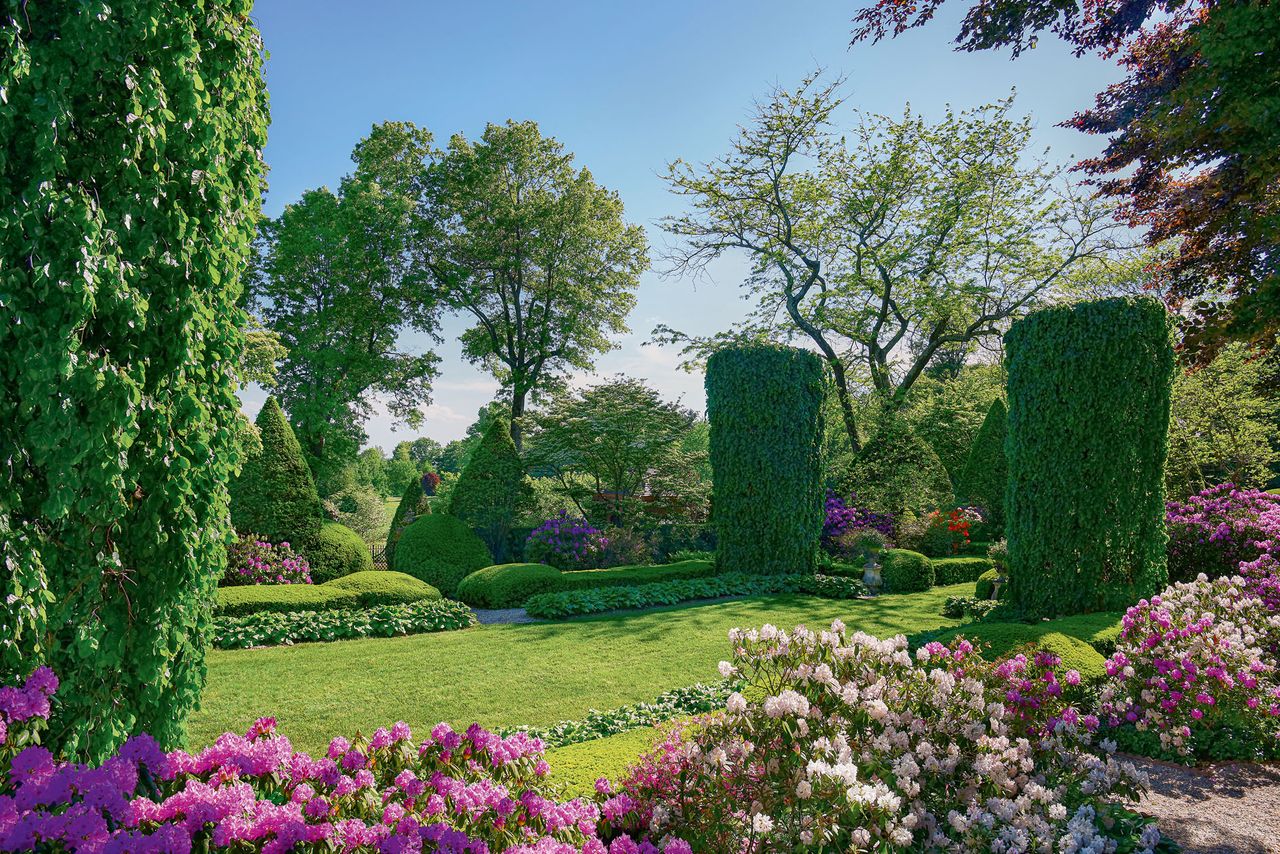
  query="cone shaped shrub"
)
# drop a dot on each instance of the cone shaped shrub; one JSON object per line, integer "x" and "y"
{"x": 492, "y": 488}
{"x": 274, "y": 496}
{"x": 897, "y": 471}
{"x": 986, "y": 473}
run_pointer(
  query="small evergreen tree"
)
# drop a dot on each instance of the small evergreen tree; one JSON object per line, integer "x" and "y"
{"x": 412, "y": 505}
{"x": 274, "y": 496}
{"x": 986, "y": 473}
{"x": 491, "y": 489}
{"x": 897, "y": 471}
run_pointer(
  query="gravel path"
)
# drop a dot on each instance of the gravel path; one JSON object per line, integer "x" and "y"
{"x": 1222, "y": 808}
{"x": 493, "y": 617}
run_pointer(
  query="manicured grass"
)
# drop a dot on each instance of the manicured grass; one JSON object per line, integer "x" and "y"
{"x": 534, "y": 674}
{"x": 576, "y": 767}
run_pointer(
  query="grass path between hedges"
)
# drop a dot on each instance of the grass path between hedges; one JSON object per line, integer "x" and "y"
{"x": 508, "y": 675}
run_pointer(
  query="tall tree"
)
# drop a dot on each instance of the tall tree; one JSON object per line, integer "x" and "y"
{"x": 1192, "y": 137}
{"x": 339, "y": 283}
{"x": 888, "y": 249}
{"x": 121, "y": 255}
{"x": 535, "y": 251}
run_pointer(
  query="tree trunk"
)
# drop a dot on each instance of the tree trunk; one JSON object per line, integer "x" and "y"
{"x": 517, "y": 411}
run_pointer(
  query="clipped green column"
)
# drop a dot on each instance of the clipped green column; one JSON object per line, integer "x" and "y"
{"x": 765, "y": 408}
{"x": 1087, "y": 438}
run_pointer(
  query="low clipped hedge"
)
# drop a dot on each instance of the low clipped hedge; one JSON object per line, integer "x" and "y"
{"x": 337, "y": 551}
{"x": 957, "y": 570}
{"x": 904, "y": 571}
{"x": 440, "y": 550}
{"x": 380, "y": 621}
{"x": 358, "y": 590}
{"x": 508, "y": 585}
{"x": 987, "y": 584}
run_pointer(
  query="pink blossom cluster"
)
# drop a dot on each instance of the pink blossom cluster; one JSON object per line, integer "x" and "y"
{"x": 255, "y": 560}
{"x": 1219, "y": 530}
{"x": 469, "y": 792}
{"x": 844, "y": 741}
{"x": 1194, "y": 658}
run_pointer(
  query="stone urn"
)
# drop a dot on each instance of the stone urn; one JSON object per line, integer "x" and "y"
{"x": 871, "y": 570}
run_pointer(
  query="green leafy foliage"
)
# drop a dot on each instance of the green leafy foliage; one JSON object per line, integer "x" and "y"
{"x": 492, "y": 488}
{"x": 335, "y": 551}
{"x": 122, "y": 247}
{"x": 973, "y": 607}
{"x": 361, "y": 589}
{"x": 764, "y": 404}
{"x": 272, "y": 628}
{"x": 508, "y": 585}
{"x": 985, "y": 475}
{"x": 628, "y": 575}
{"x": 957, "y": 570}
{"x": 274, "y": 495}
{"x": 441, "y": 550}
{"x": 898, "y": 471}
{"x": 1089, "y": 387}
{"x": 986, "y": 585}
{"x": 413, "y": 504}
{"x": 571, "y": 603}
{"x": 947, "y": 408}
{"x": 904, "y": 571}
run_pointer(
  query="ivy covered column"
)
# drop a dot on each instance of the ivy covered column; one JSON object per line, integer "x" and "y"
{"x": 765, "y": 408}
{"x": 1088, "y": 429}
{"x": 130, "y": 183}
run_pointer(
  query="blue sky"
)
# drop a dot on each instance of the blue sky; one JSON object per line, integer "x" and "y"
{"x": 627, "y": 88}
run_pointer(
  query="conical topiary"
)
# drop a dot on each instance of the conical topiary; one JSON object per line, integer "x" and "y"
{"x": 897, "y": 471}
{"x": 491, "y": 489}
{"x": 412, "y": 504}
{"x": 274, "y": 496}
{"x": 986, "y": 472}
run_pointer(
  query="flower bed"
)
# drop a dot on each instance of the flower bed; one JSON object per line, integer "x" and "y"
{"x": 571, "y": 603}
{"x": 270, "y": 628}
{"x": 252, "y": 559}
{"x": 1220, "y": 528}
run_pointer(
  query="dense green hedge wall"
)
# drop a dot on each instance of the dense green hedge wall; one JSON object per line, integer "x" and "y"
{"x": 374, "y": 587}
{"x": 491, "y": 488}
{"x": 274, "y": 495}
{"x": 905, "y": 571}
{"x": 897, "y": 471}
{"x": 509, "y": 585}
{"x": 986, "y": 473}
{"x": 1089, "y": 388}
{"x": 765, "y": 408}
{"x": 957, "y": 570}
{"x": 336, "y": 551}
{"x": 413, "y": 503}
{"x": 122, "y": 247}
{"x": 441, "y": 550}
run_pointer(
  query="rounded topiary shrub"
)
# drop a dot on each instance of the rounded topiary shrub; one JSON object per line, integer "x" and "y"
{"x": 765, "y": 408}
{"x": 441, "y": 550}
{"x": 987, "y": 584}
{"x": 905, "y": 571}
{"x": 274, "y": 495}
{"x": 1089, "y": 387}
{"x": 508, "y": 585}
{"x": 335, "y": 551}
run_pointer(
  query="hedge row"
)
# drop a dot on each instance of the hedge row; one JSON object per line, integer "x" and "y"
{"x": 358, "y": 590}
{"x": 958, "y": 570}
{"x": 381, "y": 621}
{"x": 510, "y": 585}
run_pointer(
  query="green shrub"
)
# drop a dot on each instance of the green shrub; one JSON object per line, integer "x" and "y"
{"x": 905, "y": 572}
{"x": 898, "y": 471}
{"x": 957, "y": 570}
{"x": 985, "y": 474}
{"x": 508, "y": 585}
{"x": 492, "y": 488}
{"x": 382, "y": 621}
{"x": 1000, "y": 640}
{"x": 1089, "y": 387}
{"x": 957, "y": 607}
{"x": 764, "y": 404}
{"x": 336, "y": 551}
{"x": 274, "y": 496}
{"x": 987, "y": 583}
{"x": 441, "y": 550}
{"x": 375, "y": 587}
{"x": 618, "y": 576}
{"x": 413, "y": 503}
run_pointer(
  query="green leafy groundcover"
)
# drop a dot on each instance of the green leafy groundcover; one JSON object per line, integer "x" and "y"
{"x": 571, "y": 603}
{"x": 681, "y": 702}
{"x": 273, "y": 629}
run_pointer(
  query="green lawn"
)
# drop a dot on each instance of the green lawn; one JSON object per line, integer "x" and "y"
{"x": 533, "y": 674}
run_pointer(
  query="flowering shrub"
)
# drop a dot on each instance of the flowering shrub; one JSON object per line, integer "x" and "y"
{"x": 841, "y": 517}
{"x": 465, "y": 793}
{"x": 1218, "y": 529}
{"x": 1192, "y": 668}
{"x": 253, "y": 560}
{"x": 269, "y": 628}
{"x": 566, "y": 542}
{"x": 842, "y": 742}
{"x": 948, "y": 533}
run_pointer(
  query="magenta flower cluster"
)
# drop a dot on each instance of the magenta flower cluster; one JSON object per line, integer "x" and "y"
{"x": 566, "y": 542}
{"x": 469, "y": 792}
{"x": 254, "y": 560}
{"x": 842, "y": 516}
{"x": 1220, "y": 529}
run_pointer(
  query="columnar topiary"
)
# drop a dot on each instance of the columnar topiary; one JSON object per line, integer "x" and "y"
{"x": 274, "y": 495}
{"x": 1088, "y": 432}
{"x": 765, "y": 408}
{"x": 492, "y": 488}
{"x": 986, "y": 473}
{"x": 898, "y": 471}
{"x": 131, "y": 172}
